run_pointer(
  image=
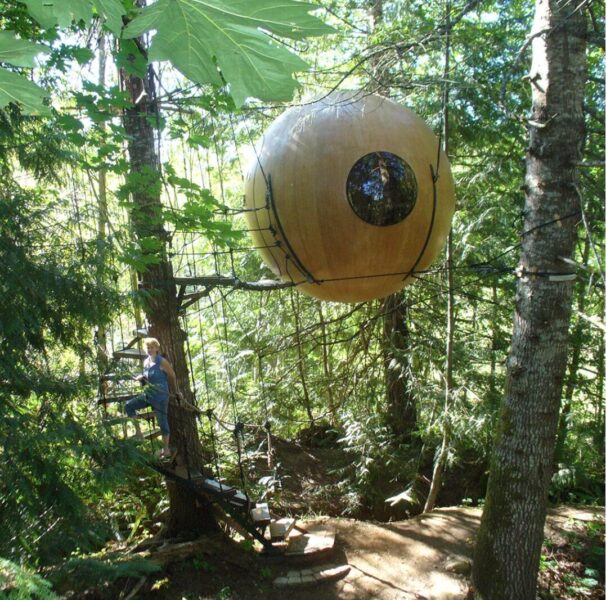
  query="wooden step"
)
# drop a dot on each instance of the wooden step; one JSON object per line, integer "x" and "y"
{"x": 313, "y": 576}
{"x": 141, "y": 332}
{"x": 227, "y": 492}
{"x": 113, "y": 399}
{"x": 130, "y": 353}
{"x": 314, "y": 544}
{"x": 260, "y": 514}
{"x": 279, "y": 529}
{"x": 236, "y": 506}
{"x": 239, "y": 500}
{"x": 115, "y": 377}
{"x": 214, "y": 486}
{"x": 124, "y": 419}
{"x": 319, "y": 540}
{"x": 149, "y": 435}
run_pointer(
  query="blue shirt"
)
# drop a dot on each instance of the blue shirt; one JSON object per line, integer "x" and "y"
{"x": 157, "y": 379}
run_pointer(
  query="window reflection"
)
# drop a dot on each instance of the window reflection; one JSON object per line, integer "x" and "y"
{"x": 381, "y": 188}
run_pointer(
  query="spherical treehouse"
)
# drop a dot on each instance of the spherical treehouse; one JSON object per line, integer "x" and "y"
{"x": 347, "y": 197}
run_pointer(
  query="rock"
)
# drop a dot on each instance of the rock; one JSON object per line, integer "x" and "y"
{"x": 459, "y": 565}
{"x": 310, "y": 577}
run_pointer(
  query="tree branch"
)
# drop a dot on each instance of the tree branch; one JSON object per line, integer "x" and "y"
{"x": 263, "y": 285}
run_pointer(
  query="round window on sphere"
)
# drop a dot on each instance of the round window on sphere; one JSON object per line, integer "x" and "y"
{"x": 381, "y": 188}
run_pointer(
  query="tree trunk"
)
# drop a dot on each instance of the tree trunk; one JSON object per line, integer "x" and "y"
{"x": 494, "y": 345}
{"x": 440, "y": 460}
{"x": 103, "y": 218}
{"x": 158, "y": 291}
{"x": 576, "y": 341}
{"x": 378, "y": 72}
{"x": 600, "y": 424}
{"x": 301, "y": 358}
{"x": 328, "y": 375}
{"x": 401, "y": 414}
{"x": 509, "y": 541}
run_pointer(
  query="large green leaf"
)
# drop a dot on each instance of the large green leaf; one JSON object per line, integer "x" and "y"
{"x": 59, "y": 12}
{"x": 63, "y": 12}
{"x": 199, "y": 37}
{"x": 129, "y": 58}
{"x": 18, "y": 89}
{"x": 112, "y": 11}
{"x": 20, "y": 53}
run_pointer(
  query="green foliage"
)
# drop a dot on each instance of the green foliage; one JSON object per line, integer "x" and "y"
{"x": 83, "y": 573}
{"x": 209, "y": 43}
{"x": 224, "y": 594}
{"x": 573, "y": 484}
{"x": 50, "y": 295}
{"x": 198, "y": 36}
{"x": 143, "y": 253}
{"x": 101, "y": 104}
{"x": 574, "y": 567}
{"x": 62, "y": 55}
{"x": 39, "y": 146}
{"x": 18, "y": 89}
{"x": 129, "y": 58}
{"x": 64, "y": 480}
{"x": 15, "y": 88}
{"x": 61, "y": 13}
{"x": 199, "y": 211}
{"x": 18, "y": 52}
{"x": 380, "y": 468}
{"x": 203, "y": 565}
{"x": 18, "y": 583}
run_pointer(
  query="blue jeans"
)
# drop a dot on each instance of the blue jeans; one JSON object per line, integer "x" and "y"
{"x": 159, "y": 405}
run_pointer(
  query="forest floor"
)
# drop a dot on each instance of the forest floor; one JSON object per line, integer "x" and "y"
{"x": 426, "y": 557}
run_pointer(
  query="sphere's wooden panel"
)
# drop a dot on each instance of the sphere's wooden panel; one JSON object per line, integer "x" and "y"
{"x": 309, "y": 152}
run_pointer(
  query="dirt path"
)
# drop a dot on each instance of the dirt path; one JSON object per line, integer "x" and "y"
{"x": 425, "y": 558}
{"x": 405, "y": 560}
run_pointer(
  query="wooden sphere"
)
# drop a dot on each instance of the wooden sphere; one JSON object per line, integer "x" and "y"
{"x": 353, "y": 209}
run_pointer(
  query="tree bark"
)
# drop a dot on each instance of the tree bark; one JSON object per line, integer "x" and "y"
{"x": 301, "y": 359}
{"x": 440, "y": 461}
{"x": 573, "y": 368}
{"x": 103, "y": 218}
{"x": 326, "y": 366}
{"x": 158, "y": 291}
{"x": 494, "y": 337}
{"x": 511, "y": 533}
{"x": 378, "y": 68}
{"x": 401, "y": 413}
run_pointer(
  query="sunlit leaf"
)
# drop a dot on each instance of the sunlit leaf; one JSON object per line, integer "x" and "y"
{"x": 16, "y": 88}
{"x": 63, "y": 12}
{"x": 113, "y": 11}
{"x": 213, "y": 42}
{"x": 17, "y": 52}
{"x": 405, "y": 496}
{"x": 130, "y": 59}
{"x": 59, "y": 12}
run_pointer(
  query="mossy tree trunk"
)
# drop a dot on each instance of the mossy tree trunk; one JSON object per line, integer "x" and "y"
{"x": 576, "y": 342}
{"x": 511, "y": 533}
{"x": 158, "y": 291}
{"x": 439, "y": 465}
{"x": 401, "y": 413}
